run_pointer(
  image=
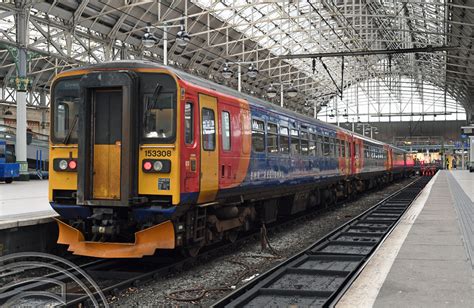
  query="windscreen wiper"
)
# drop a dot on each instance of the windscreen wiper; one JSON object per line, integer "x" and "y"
{"x": 69, "y": 132}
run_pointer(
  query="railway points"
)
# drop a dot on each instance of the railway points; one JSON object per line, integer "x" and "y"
{"x": 144, "y": 135}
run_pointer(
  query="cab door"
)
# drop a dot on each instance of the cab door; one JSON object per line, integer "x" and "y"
{"x": 209, "y": 180}
{"x": 107, "y": 136}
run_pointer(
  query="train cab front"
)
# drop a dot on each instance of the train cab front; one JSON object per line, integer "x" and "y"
{"x": 114, "y": 177}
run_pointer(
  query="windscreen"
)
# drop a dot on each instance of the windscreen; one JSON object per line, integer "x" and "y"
{"x": 159, "y": 108}
{"x": 65, "y": 111}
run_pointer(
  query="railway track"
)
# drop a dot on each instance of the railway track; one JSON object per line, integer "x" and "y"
{"x": 320, "y": 274}
{"x": 116, "y": 275}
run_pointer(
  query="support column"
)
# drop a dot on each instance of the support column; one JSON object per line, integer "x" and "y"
{"x": 239, "y": 77}
{"x": 42, "y": 103}
{"x": 165, "y": 45}
{"x": 282, "y": 96}
{"x": 21, "y": 87}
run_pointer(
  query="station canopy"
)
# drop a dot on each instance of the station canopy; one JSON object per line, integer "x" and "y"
{"x": 333, "y": 52}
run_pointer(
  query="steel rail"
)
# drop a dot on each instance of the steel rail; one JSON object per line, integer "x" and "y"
{"x": 114, "y": 275}
{"x": 320, "y": 274}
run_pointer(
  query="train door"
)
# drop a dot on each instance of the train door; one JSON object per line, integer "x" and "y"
{"x": 209, "y": 179}
{"x": 107, "y": 141}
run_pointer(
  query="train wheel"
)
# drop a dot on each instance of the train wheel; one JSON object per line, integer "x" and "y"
{"x": 232, "y": 236}
{"x": 192, "y": 251}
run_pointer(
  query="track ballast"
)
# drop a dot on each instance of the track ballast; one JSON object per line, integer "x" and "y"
{"x": 318, "y": 276}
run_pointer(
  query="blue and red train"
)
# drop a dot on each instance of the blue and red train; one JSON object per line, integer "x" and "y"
{"x": 146, "y": 157}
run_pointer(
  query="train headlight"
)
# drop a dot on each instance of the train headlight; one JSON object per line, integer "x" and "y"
{"x": 63, "y": 164}
{"x": 157, "y": 165}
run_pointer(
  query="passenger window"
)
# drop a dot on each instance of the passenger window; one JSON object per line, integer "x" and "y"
{"x": 319, "y": 146}
{"x": 326, "y": 150}
{"x": 189, "y": 123}
{"x": 304, "y": 143}
{"x": 312, "y": 145}
{"x": 284, "y": 140}
{"x": 208, "y": 130}
{"x": 272, "y": 138}
{"x": 258, "y": 136}
{"x": 332, "y": 147}
{"x": 295, "y": 142}
{"x": 226, "y": 131}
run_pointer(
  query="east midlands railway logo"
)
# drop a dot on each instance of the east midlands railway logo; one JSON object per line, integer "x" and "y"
{"x": 40, "y": 279}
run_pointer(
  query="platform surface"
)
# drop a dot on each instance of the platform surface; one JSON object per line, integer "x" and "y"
{"x": 427, "y": 260}
{"x": 24, "y": 203}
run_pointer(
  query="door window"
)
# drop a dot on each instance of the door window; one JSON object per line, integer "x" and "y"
{"x": 208, "y": 130}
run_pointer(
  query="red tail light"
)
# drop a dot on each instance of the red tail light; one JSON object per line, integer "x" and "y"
{"x": 72, "y": 164}
{"x": 147, "y": 165}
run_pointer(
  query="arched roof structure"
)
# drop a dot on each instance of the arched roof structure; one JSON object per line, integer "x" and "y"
{"x": 63, "y": 34}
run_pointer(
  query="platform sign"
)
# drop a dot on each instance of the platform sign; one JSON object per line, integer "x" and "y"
{"x": 467, "y": 130}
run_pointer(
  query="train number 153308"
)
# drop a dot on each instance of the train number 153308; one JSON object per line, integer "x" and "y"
{"x": 157, "y": 153}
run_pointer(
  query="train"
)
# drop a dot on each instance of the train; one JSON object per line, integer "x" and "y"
{"x": 8, "y": 170}
{"x": 146, "y": 158}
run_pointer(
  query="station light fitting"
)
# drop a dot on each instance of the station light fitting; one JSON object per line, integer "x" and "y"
{"x": 226, "y": 72}
{"x": 252, "y": 72}
{"x": 149, "y": 39}
{"x": 182, "y": 37}
{"x": 345, "y": 115}
{"x": 292, "y": 92}
{"x": 271, "y": 91}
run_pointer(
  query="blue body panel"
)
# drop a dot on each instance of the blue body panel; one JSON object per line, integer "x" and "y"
{"x": 9, "y": 171}
{"x": 73, "y": 211}
{"x": 268, "y": 170}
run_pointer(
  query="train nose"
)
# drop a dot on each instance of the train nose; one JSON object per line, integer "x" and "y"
{"x": 161, "y": 236}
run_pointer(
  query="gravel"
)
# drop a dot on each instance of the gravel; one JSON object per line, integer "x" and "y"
{"x": 246, "y": 261}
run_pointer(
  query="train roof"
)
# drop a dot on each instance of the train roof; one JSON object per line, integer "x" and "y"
{"x": 211, "y": 85}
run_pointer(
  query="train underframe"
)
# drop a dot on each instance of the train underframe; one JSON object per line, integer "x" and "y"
{"x": 191, "y": 228}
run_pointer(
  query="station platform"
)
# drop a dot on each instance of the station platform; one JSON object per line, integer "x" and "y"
{"x": 24, "y": 204}
{"x": 428, "y": 259}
